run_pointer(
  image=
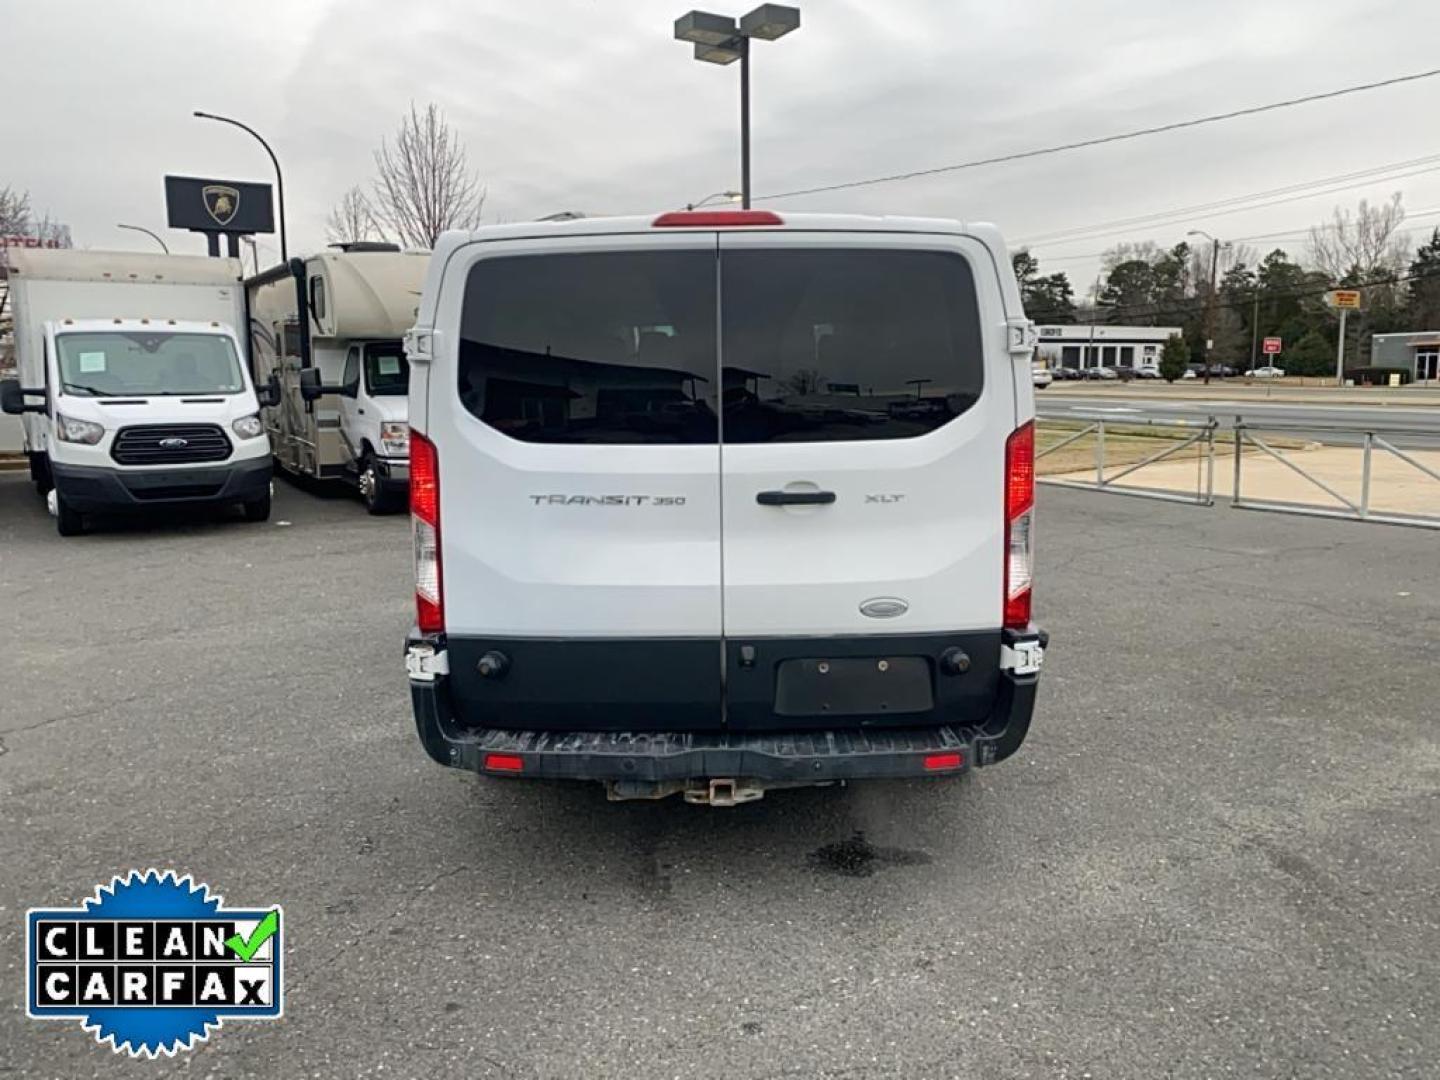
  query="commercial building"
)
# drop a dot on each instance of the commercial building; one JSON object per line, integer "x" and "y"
{"x": 1418, "y": 353}
{"x": 1100, "y": 345}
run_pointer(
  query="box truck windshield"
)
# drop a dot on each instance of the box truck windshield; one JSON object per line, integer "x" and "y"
{"x": 147, "y": 364}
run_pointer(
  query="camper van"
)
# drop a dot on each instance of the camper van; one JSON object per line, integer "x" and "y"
{"x": 132, "y": 384}
{"x": 719, "y": 502}
{"x": 329, "y": 329}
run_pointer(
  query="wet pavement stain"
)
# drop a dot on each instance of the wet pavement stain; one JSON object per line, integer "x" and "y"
{"x": 857, "y": 857}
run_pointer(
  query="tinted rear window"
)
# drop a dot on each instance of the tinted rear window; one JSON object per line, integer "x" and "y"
{"x": 845, "y": 344}
{"x": 817, "y": 345}
{"x": 611, "y": 347}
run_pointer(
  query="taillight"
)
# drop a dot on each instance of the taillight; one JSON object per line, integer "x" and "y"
{"x": 1019, "y": 525}
{"x": 711, "y": 219}
{"x": 425, "y": 523}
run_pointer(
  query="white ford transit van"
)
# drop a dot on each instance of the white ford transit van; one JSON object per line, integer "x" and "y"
{"x": 719, "y": 502}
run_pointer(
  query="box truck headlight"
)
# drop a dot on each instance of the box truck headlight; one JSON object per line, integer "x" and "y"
{"x": 249, "y": 427}
{"x": 68, "y": 429}
{"x": 395, "y": 439}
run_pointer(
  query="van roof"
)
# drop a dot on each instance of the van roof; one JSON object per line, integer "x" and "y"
{"x": 638, "y": 223}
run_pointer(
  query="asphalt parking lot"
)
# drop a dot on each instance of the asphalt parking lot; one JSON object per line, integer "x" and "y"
{"x": 1216, "y": 856}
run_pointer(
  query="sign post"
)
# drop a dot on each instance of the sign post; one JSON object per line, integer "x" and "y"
{"x": 1344, "y": 301}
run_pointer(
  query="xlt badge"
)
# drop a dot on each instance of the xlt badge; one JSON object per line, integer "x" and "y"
{"x": 884, "y": 498}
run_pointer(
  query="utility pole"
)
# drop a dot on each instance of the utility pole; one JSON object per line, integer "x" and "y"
{"x": 1340, "y": 352}
{"x": 1255, "y": 328}
{"x": 1209, "y": 300}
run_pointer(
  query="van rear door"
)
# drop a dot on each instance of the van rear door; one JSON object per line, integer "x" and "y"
{"x": 579, "y": 481}
{"x": 863, "y": 443}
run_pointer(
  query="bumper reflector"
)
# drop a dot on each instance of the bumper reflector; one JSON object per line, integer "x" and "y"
{"x": 942, "y": 762}
{"x": 504, "y": 763}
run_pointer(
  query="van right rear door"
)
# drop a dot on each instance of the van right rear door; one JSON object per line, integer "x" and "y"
{"x": 869, "y": 394}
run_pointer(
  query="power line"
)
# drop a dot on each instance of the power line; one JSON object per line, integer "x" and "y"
{"x": 1103, "y": 140}
{"x": 1366, "y": 176}
{"x": 1298, "y": 234}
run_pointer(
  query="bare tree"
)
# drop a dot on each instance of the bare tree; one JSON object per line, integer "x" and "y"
{"x": 14, "y": 211}
{"x": 425, "y": 184}
{"x": 353, "y": 220}
{"x": 1368, "y": 244}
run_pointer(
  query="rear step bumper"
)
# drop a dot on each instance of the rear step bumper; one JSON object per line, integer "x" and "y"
{"x": 802, "y": 757}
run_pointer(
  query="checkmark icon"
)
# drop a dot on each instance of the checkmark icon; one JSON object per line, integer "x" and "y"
{"x": 245, "y": 948}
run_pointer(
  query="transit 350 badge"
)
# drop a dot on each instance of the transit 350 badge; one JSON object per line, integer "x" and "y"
{"x": 152, "y": 963}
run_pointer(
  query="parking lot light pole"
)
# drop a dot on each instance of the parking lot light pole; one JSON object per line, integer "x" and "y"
{"x": 279, "y": 179}
{"x": 721, "y": 39}
{"x": 730, "y": 196}
{"x": 153, "y": 236}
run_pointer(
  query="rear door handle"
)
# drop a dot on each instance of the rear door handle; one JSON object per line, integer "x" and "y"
{"x": 795, "y": 498}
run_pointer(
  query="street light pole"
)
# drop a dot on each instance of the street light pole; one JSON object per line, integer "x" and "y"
{"x": 744, "y": 123}
{"x": 722, "y": 39}
{"x": 279, "y": 177}
{"x": 153, "y": 236}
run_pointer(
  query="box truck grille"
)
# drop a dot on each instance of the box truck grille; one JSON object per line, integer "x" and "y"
{"x": 169, "y": 444}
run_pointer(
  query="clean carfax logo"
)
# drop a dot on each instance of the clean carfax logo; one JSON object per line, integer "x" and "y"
{"x": 153, "y": 962}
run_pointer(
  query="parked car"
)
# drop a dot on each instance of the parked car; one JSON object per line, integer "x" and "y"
{"x": 1147, "y": 370}
{"x": 1108, "y": 374}
{"x": 1041, "y": 376}
{"x": 1219, "y": 371}
{"x": 1067, "y": 373}
{"x": 1191, "y": 372}
{"x": 570, "y": 609}
{"x": 1269, "y": 371}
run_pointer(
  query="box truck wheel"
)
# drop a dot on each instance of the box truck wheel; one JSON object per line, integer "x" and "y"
{"x": 257, "y": 509}
{"x": 68, "y": 520}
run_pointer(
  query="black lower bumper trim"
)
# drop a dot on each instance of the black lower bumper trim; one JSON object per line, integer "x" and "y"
{"x": 796, "y": 757}
{"x": 99, "y": 490}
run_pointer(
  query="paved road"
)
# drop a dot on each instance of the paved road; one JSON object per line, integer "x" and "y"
{"x": 1420, "y": 425}
{"x": 1217, "y": 856}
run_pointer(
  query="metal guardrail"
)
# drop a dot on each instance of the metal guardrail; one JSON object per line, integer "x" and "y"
{"x": 1201, "y": 434}
{"x": 1347, "y": 509}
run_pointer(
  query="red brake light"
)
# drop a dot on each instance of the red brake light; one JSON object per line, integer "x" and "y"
{"x": 942, "y": 762}
{"x": 504, "y": 763}
{"x": 424, "y": 479}
{"x": 1019, "y": 521}
{"x": 425, "y": 526}
{"x": 710, "y": 219}
{"x": 1020, "y": 471}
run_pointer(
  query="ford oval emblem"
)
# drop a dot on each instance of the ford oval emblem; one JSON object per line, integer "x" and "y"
{"x": 884, "y": 607}
{"x": 174, "y": 444}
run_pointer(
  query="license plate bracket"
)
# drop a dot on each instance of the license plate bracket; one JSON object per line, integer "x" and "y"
{"x": 854, "y": 686}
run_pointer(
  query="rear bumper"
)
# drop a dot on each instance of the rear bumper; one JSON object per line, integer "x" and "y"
{"x": 809, "y": 755}
{"x": 96, "y": 490}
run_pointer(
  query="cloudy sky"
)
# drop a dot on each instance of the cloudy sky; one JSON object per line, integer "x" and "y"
{"x": 591, "y": 105}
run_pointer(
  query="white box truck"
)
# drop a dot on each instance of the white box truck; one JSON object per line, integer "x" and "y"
{"x": 718, "y": 502}
{"x": 341, "y": 369}
{"x": 132, "y": 383}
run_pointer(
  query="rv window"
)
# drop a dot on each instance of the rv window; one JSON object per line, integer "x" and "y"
{"x": 610, "y": 347}
{"x": 847, "y": 344}
{"x": 317, "y": 297}
{"x": 387, "y": 372}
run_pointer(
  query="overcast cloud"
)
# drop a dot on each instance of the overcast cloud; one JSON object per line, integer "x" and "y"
{"x": 590, "y": 105}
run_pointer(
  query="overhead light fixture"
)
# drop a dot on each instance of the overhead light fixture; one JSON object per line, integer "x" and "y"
{"x": 770, "y": 21}
{"x": 725, "y": 53}
{"x": 705, "y": 28}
